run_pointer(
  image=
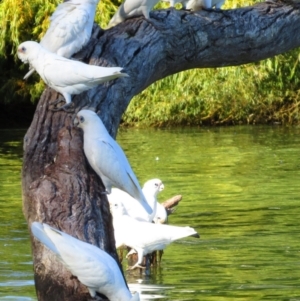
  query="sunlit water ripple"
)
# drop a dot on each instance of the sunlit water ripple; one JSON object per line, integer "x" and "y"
{"x": 240, "y": 192}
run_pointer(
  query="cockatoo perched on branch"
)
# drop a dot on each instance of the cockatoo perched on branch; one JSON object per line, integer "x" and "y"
{"x": 132, "y": 8}
{"x": 93, "y": 267}
{"x": 144, "y": 237}
{"x": 70, "y": 28}
{"x": 65, "y": 76}
{"x": 107, "y": 158}
{"x": 196, "y": 5}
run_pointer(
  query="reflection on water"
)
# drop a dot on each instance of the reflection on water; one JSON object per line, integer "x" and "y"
{"x": 152, "y": 290}
{"x": 240, "y": 192}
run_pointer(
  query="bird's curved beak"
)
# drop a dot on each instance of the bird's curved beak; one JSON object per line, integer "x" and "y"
{"x": 161, "y": 187}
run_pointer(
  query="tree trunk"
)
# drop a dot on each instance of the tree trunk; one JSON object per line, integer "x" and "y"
{"x": 59, "y": 187}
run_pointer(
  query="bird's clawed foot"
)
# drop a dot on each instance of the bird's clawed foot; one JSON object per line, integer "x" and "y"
{"x": 132, "y": 251}
{"x": 68, "y": 107}
{"x": 135, "y": 267}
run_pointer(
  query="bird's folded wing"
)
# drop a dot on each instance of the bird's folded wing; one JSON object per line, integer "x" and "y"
{"x": 72, "y": 73}
{"x": 103, "y": 154}
{"x": 90, "y": 268}
{"x": 66, "y": 24}
{"x": 39, "y": 233}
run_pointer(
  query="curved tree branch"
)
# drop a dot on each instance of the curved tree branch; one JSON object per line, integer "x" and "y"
{"x": 59, "y": 187}
{"x": 176, "y": 40}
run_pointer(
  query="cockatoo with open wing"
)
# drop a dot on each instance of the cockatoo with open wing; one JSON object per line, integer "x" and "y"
{"x": 134, "y": 209}
{"x": 70, "y": 28}
{"x": 65, "y": 76}
{"x": 141, "y": 236}
{"x": 107, "y": 158}
{"x": 93, "y": 267}
{"x": 132, "y": 8}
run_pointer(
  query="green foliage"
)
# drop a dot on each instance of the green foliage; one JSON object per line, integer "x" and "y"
{"x": 256, "y": 93}
{"x": 29, "y": 20}
{"x": 264, "y": 92}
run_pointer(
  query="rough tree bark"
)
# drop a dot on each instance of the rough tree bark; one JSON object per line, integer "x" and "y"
{"x": 59, "y": 187}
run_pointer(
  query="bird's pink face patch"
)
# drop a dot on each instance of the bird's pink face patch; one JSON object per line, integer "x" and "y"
{"x": 22, "y": 55}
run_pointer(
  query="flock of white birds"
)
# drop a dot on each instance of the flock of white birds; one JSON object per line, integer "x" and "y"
{"x": 139, "y": 220}
{"x": 70, "y": 30}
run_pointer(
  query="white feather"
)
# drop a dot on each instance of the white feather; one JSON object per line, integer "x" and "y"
{"x": 65, "y": 76}
{"x": 70, "y": 28}
{"x": 141, "y": 236}
{"x": 161, "y": 215}
{"x": 134, "y": 209}
{"x": 196, "y": 5}
{"x": 132, "y": 8}
{"x": 92, "y": 266}
{"x": 107, "y": 158}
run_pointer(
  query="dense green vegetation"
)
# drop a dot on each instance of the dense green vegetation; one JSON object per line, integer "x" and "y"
{"x": 264, "y": 92}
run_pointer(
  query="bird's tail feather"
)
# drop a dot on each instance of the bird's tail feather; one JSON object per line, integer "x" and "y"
{"x": 108, "y": 77}
{"x": 181, "y": 232}
{"x": 120, "y": 74}
{"x": 39, "y": 233}
{"x": 138, "y": 194}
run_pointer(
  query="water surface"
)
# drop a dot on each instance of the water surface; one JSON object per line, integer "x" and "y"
{"x": 240, "y": 192}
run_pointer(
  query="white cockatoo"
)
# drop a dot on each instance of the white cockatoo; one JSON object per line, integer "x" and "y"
{"x": 93, "y": 267}
{"x": 70, "y": 28}
{"x": 196, "y": 5}
{"x": 65, "y": 76}
{"x": 134, "y": 209}
{"x": 143, "y": 237}
{"x": 107, "y": 158}
{"x": 132, "y": 8}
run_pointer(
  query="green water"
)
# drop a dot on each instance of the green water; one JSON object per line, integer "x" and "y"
{"x": 240, "y": 192}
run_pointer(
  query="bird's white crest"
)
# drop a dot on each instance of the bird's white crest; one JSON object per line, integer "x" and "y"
{"x": 134, "y": 209}
{"x": 74, "y": 78}
{"x": 107, "y": 158}
{"x": 144, "y": 237}
{"x": 132, "y": 8}
{"x": 93, "y": 267}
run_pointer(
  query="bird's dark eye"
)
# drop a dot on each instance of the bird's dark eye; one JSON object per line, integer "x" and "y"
{"x": 23, "y": 49}
{"x": 156, "y": 184}
{"x": 81, "y": 119}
